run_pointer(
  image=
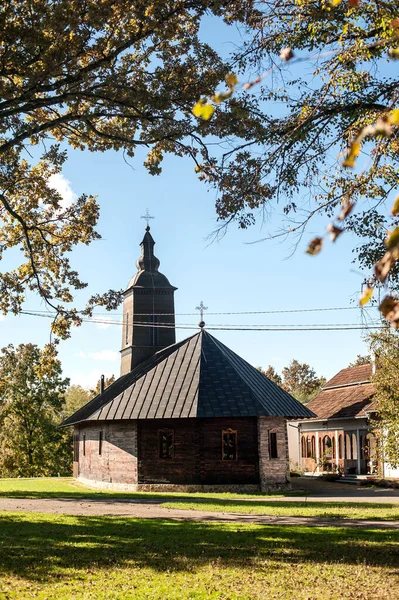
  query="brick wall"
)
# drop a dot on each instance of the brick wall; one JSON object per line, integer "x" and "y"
{"x": 198, "y": 452}
{"x": 244, "y": 470}
{"x": 130, "y": 453}
{"x": 118, "y": 460}
{"x": 273, "y": 471}
{"x": 183, "y": 467}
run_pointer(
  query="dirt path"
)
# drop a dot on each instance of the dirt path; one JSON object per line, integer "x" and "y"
{"x": 153, "y": 510}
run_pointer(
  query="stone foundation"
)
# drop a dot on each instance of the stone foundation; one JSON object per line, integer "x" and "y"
{"x": 106, "y": 485}
{"x": 168, "y": 487}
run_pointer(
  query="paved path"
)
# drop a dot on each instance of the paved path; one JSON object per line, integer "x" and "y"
{"x": 328, "y": 491}
{"x": 152, "y": 510}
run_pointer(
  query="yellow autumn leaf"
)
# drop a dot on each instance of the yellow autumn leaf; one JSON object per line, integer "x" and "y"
{"x": 231, "y": 80}
{"x": 389, "y": 307}
{"x": 367, "y": 295}
{"x": 335, "y": 231}
{"x": 394, "y": 116}
{"x": 335, "y": 2}
{"x": 395, "y": 207}
{"x": 392, "y": 239}
{"x": 393, "y": 53}
{"x": 203, "y": 110}
{"x": 197, "y": 110}
{"x": 221, "y": 96}
{"x": 385, "y": 264}
{"x": 315, "y": 246}
{"x": 354, "y": 151}
{"x": 207, "y": 111}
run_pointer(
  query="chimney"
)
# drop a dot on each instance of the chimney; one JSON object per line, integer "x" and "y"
{"x": 373, "y": 363}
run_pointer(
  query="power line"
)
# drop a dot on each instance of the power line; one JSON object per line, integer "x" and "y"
{"x": 254, "y": 312}
{"x": 221, "y": 327}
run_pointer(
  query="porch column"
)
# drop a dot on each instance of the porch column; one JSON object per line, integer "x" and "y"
{"x": 317, "y": 453}
{"x": 299, "y": 446}
{"x": 336, "y": 450}
{"x": 358, "y": 451}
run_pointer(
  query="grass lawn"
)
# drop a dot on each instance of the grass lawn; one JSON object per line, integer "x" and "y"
{"x": 259, "y": 504}
{"x": 66, "y": 487}
{"x": 327, "y": 510}
{"x": 61, "y": 557}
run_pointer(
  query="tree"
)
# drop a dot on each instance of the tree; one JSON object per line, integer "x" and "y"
{"x": 122, "y": 75}
{"x": 385, "y": 346}
{"x": 75, "y": 398}
{"x": 31, "y": 405}
{"x": 348, "y": 107}
{"x": 361, "y": 360}
{"x": 107, "y": 382}
{"x": 96, "y": 75}
{"x": 301, "y": 381}
{"x": 272, "y": 374}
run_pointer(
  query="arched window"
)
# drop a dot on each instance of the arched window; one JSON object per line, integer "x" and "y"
{"x": 340, "y": 448}
{"x": 354, "y": 446}
{"x": 327, "y": 446}
{"x": 333, "y": 447}
{"x": 348, "y": 446}
{"x": 308, "y": 447}
{"x": 303, "y": 447}
{"x": 313, "y": 446}
{"x": 320, "y": 447}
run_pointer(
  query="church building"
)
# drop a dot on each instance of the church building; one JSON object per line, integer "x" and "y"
{"x": 190, "y": 416}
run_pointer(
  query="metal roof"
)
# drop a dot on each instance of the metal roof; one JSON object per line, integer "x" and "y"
{"x": 198, "y": 377}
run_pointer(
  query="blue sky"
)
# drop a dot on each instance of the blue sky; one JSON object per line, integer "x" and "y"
{"x": 230, "y": 275}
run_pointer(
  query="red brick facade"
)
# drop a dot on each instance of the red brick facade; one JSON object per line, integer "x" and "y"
{"x": 130, "y": 453}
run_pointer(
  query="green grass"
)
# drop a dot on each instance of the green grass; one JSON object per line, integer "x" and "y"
{"x": 327, "y": 510}
{"x": 62, "y": 557}
{"x": 66, "y": 487}
{"x": 233, "y": 503}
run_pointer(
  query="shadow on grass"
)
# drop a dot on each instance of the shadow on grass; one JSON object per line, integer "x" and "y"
{"x": 333, "y": 510}
{"x": 40, "y": 547}
{"x": 82, "y": 494}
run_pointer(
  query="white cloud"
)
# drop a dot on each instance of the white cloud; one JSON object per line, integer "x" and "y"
{"x": 106, "y": 322}
{"x": 108, "y": 355}
{"x": 63, "y": 186}
{"x": 89, "y": 380}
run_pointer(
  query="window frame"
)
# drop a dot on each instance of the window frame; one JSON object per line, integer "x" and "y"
{"x": 100, "y": 442}
{"x": 76, "y": 439}
{"x": 84, "y": 444}
{"x": 127, "y": 330}
{"x": 166, "y": 430}
{"x": 274, "y": 446}
{"x": 234, "y": 432}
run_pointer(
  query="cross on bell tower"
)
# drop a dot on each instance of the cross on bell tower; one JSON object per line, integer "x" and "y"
{"x": 201, "y": 308}
{"x": 147, "y": 217}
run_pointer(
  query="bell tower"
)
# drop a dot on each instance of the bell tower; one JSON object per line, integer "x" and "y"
{"x": 148, "y": 310}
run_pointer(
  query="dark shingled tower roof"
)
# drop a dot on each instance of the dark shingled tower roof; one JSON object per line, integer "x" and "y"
{"x": 198, "y": 377}
{"x": 148, "y": 265}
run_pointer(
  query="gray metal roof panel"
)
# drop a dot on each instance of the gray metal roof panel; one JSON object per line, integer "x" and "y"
{"x": 198, "y": 377}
